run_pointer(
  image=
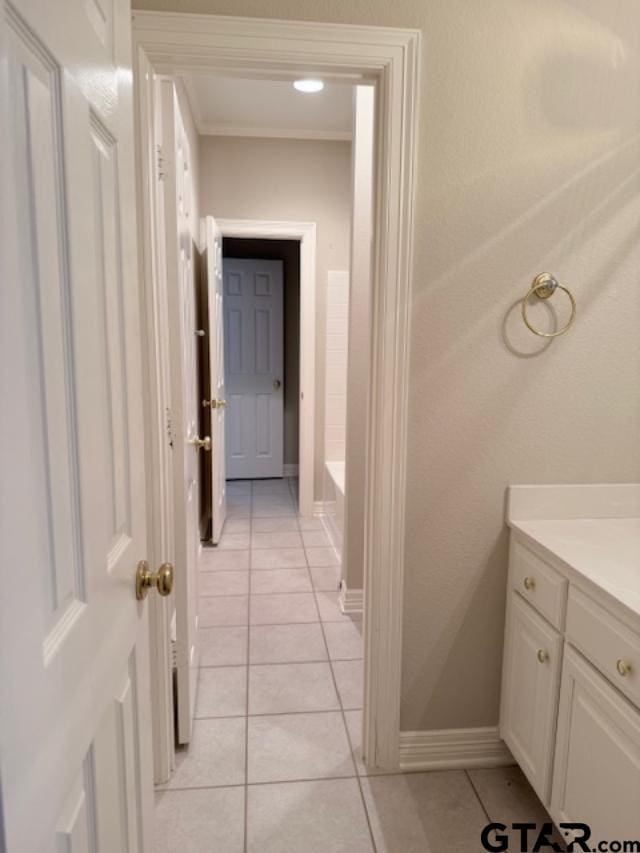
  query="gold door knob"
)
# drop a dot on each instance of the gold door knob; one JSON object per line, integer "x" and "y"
{"x": 529, "y": 583}
{"x": 201, "y": 443}
{"x": 145, "y": 579}
{"x": 623, "y": 667}
{"x": 543, "y": 656}
{"x": 214, "y": 404}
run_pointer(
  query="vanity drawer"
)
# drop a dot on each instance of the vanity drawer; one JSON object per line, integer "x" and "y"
{"x": 610, "y": 646}
{"x": 539, "y": 584}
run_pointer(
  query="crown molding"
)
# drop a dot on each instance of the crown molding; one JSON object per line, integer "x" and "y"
{"x": 205, "y": 129}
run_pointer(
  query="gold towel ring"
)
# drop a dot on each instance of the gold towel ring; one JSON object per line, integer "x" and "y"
{"x": 544, "y": 286}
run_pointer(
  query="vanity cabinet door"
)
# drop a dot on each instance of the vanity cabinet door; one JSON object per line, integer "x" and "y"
{"x": 596, "y": 776}
{"x": 530, "y": 685}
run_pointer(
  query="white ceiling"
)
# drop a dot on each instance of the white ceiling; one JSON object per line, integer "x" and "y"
{"x": 234, "y": 106}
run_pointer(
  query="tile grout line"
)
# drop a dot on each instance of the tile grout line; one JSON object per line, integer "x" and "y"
{"x": 478, "y": 797}
{"x": 285, "y": 592}
{"x": 351, "y": 750}
{"x": 281, "y": 662}
{"x": 246, "y": 698}
{"x": 346, "y": 729}
{"x": 269, "y": 782}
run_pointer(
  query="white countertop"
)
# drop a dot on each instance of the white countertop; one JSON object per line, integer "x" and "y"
{"x": 603, "y": 549}
{"x": 606, "y": 551}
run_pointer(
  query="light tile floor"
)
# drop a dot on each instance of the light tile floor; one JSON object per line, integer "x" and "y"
{"x": 274, "y": 765}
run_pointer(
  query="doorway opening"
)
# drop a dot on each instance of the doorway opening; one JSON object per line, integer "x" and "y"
{"x": 278, "y": 263}
{"x": 263, "y": 49}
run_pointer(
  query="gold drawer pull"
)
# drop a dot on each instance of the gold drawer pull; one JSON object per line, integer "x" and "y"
{"x": 529, "y": 583}
{"x": 543, "y": 656}
{"x": 623, "y": 667}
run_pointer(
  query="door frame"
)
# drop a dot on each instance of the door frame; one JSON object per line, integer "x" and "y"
{"x": 305, "y": 233}
{"x": 174, "y": 43}
{"x": 157, "y": 409}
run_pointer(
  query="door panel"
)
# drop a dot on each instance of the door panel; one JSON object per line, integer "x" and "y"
{"x": 75, "y": 747}
{"x": 530, "y": 692}
{"x": 180, "y": 288}
{"x": 204, "y": 386}
{"x": 217, "y": 391}
{"x": 254, "y": 361}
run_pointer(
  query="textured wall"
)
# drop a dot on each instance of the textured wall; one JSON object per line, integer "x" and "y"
{"x": 362, "y": 149}
{"x": 529, "y": 159}
{"x": 302, "y": 180}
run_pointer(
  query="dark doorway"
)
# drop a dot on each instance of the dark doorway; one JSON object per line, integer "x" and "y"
{"x": 287, "y": 251}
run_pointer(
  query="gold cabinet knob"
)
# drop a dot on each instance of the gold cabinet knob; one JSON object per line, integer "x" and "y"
{"x": 623, "y": 667}
{"x": 529, "y": 583}
{"x": 201, "y": 443}
{"x": 543, "y": 656}
{"x": 146, "y": 579}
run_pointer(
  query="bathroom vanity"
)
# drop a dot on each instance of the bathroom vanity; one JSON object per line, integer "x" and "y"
{"x": 570, "y": 708}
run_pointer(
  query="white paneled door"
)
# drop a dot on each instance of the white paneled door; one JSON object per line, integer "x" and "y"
{"x": 177, "y": 208}
{"x": 75, "y": 758}
{"x": 217, "y": 399}
{"x": 254, "y": 367}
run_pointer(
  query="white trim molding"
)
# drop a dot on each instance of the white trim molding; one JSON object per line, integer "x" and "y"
{"x": 178, "y": 43}
{"x": 305, "y": 232}
{"x": 450, "y": 749}
{"x": 351, "y": 600}
{"x": 272, "y": 132}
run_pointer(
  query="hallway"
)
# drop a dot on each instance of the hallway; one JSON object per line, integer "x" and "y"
{"x": 274, "y": 763}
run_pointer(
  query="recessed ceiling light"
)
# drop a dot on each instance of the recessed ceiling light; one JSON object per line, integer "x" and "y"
{"x": 308, "y": 85}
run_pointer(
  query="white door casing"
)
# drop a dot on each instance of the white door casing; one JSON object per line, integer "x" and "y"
{"x": 254, "y": 367}
{"x": 75, "y": 747}
{"x": 391, "y": 58}
{"x": 215, "y": 284}
{"x": 180, "y": 271}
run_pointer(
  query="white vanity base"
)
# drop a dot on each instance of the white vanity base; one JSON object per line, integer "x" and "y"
{"x": 570, "y": 709}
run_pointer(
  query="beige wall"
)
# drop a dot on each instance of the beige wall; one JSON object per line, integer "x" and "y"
{"x": 302, "y": 180}
{"x": 528, "y": 160}
{"x": 359, "y": 334}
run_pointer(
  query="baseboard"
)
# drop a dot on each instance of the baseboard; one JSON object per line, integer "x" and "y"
{"x": 351, "y": 600}
{"x": 331, "y": 529}
{"x": 446, "y": 749}
{"x": 318, "y": 508}
{"x": 290, "y": 469}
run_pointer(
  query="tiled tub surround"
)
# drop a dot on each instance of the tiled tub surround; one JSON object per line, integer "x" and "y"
{"x": 274, "y": 766}
{"x": 334, "y": 477}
